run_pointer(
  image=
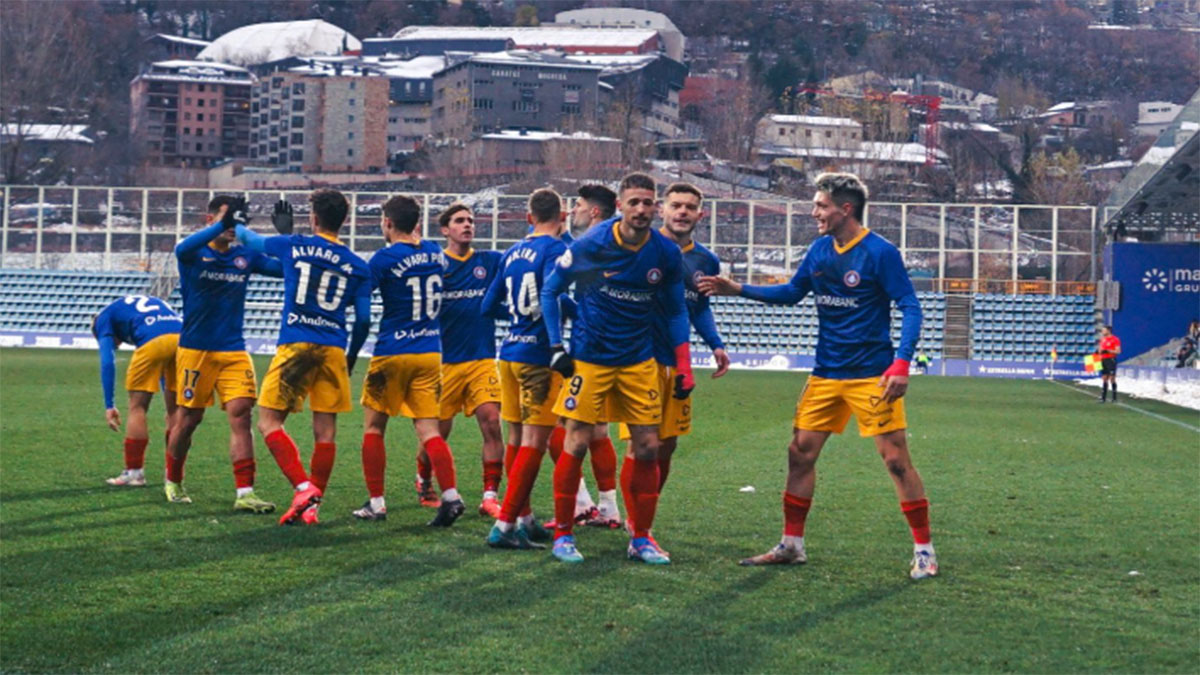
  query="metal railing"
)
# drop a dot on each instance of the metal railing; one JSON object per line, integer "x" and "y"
{"x": 1020, "y": 248}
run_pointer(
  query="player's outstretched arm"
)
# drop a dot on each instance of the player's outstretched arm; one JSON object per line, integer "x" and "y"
{"x": 715, "y": 285}
{"x": 362, "y": 323}
{"x": 108, "y": 376}
{"x": 187, "y": 249}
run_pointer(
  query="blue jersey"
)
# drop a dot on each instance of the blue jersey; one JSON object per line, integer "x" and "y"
{"x": 468, "y": 335}
{"x": 213, "y": 286}
{"x": 698, "y": 261}
{"x": 136, "y": 320}
{"x": 321, "y": 278}
{"x": 854, "y": 288}
{"x": 523, "y": 273}
{"x": 619, "y": 288}
{"x": 409, "y": 279}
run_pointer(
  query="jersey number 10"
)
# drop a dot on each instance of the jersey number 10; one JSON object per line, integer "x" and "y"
{"x": 327, "y": 277}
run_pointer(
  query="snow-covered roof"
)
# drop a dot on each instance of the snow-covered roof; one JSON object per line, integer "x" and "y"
{"x": 970, "y": 126}
{"x": 421, "y": 67}
{"x": 1115, "y": 164}
{"x": 66, "y": 133}
{"x": 1061, "y": 107}
{"x": 517, "y": 135}
{"x": 266, "y": 42}
{"x": 535, "y": 36}
{"x": 525, "y": 56}
{"x": 904, "y": 153}
{"x": 616, "y": 15}
{"x": 184, "y": 63}
{"x": 193, "y": 42}
{"x": 815, "y": 120}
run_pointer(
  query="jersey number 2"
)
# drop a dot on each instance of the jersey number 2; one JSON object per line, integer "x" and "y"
{"x": 327, "y": 277}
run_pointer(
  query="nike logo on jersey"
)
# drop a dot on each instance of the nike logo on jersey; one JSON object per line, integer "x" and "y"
{"x": 608, "y": 274}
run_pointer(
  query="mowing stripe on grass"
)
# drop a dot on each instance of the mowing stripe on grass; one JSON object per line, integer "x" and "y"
{"x": 1129, "y": 407}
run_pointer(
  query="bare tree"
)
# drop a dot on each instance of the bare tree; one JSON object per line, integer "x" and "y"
{"x": 47, "y": 76}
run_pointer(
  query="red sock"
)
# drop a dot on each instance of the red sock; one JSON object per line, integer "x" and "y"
{"x": 321, "y": 464}
{"x": 135, "y": 452}
{"x": 664, "y": 470}
{"x": 175, "y": 468}
{"x": 243, "y": 473}
{"x": 795, "y": 511}
{"x": 287, "y": 456}
{"x": 604, "y": 464}
{"x": 555, "y": 445}
{"x": 443, "y": 462}
{"x": 521, "y": 477}
{"x": 374, "y": 461}
{"x": 644, "y": 485}
{"x": 424, "y": 470}
{"x": 917, "y": 513}
{"x": 491, "y": 475}
{"x": 567, "y": 471}
{"x": 627, "y": 488}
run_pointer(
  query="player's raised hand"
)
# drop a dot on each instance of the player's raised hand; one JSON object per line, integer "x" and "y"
{"x": 281, "y": 217}
{"x": 894, "y": 380}
{"x": 113, "y": 417}
{"x": 718, "y": 286}
{"x": 235, "y": 214}
{"x": 561, "y": 362}
{"x": 722, "y": 360}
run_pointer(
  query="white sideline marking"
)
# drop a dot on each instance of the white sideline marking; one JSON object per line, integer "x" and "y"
{"x": 1129, "y": 407}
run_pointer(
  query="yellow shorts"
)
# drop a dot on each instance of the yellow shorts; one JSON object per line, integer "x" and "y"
{"x": 676, "y": 413}
{"x": 527, "y": 393}
{"x": 627, "y": 394}
{"x": 303, "y": 370}
{"x": 825, "y": 405}
{"x": 151, "y": 362}
{"x": 198, "y": 373}
{"x": 468, "y": 385}
{"x": 404, "y": 384}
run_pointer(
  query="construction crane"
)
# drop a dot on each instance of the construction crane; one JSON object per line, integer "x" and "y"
{"x": 931, "y": 104}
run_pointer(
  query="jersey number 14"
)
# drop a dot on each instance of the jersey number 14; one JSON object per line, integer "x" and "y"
{"x": 525, "y": 301}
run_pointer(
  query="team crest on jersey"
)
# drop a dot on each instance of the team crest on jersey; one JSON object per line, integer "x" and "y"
{"x": 851, "y": 278}
{"x": 565, "y": 260}
{"x": 479, "y": 272}
{"x": 696, "y": 277}
{"x": 654, "y": 275}
{"x": 240, "y": 262}
{"x": 570, "y": 403}
{"x": 188, "y": 394}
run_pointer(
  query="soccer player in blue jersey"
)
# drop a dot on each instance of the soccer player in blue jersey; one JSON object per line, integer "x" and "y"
{"x": 321, "y": 278}
{"x": 405, "y": 374}
{"x": 213, "y": 272}
{"x": 624, "y": 270}
{"x": 528, "y": 386}
{"x": 152, "y": 327}
{"x": 682, "y": 208}
{"x": 855, "y": 275}
{"x": 470, "y": 382}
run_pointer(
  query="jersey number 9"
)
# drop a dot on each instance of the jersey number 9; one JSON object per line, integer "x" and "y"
{"x": 432, "y": 298}
{"x": 327, "y": 277}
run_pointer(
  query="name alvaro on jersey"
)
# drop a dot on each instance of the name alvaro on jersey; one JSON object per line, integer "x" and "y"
{"x": 419, "y": 258}
{"x": 308, "y": 251}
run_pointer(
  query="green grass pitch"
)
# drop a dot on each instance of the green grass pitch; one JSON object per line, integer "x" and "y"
{"x": 1043, "y": 504}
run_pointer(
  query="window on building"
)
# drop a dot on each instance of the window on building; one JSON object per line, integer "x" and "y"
{"x": 350, "y": 135}
{"x": 297, "y": 122}
{"x": 297, "y": 105}
{"x": 199, "y": 87}
{"x": 393, "y": 120}
{"x": 297, "y": 139}
{"x": 254, "y": 108}
{"x": 187, "y": 115}
{"x": 200, "y": 103}
{"x": 274, "y": 131}
{"x": 349, "y": 152}
{"x": 782, "y": 132}
{"x": 199, "y": 147}
{"x": 199, "y": 117}
{"x": 350, "y": 102}
{"x": 276, "y": 82}
{"x": 212, "y": 147}
{"x": 828, "y": 133}
{"x": 525, "y": 106}
{"x": 212, "y": 102}
{"x": 298, "y": 88}
{"x": 350, "y": 118}
{"x": 253, "y": 153}
{"x": 274, "y": 114}
{"x": 283, "y": 141}
{"x": 570, "y": 108}
{"x": 187, "y": 131}
{"x": 391, "y": 139}
{"x": 483, "y": 104}
{"x": 808, "y": 133}
{"x": 187, "y": 101}
{"x": 352, "y": 84}
{"x": 297, "y": 155}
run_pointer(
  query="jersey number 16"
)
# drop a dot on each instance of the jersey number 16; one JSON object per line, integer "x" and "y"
{"x": 429, "y": 303}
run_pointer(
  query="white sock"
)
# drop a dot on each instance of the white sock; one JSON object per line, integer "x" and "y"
{"x": 242, "y": 492}
{"x": 525, "y": 520}
{"x": 303, "y": 486}
{"x": 450, "y": 495}
{"x": 794, "y": 543}
{"x": 378, "y": 504}
{"x": 504, "y": 527}
{"x": 583, "y": 498}
{"x": 608, "y": 504}
{"x": 923, "y": 548}
{"x": 136, "y": 473}
{"x": 489, "y": 494}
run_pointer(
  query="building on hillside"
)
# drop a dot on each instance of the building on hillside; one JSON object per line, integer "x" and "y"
{"x": 266, "y": 47}
{"x": 1078, "y": 115}
{"x": 1154, "y": 116}
{"x": 310, "y": 120}
{"x": 650, "y": 83}
{"x": 673, "y": 41}
{"x": 809, "y": 131}
{"x": 431, "y": 40}
{"x": 190, "y": 113}
{"x": 407, "y": 48}
{"x": 479, "y": 93}
{"x": 163, "y": 47}
{"x": 522, "y": 155}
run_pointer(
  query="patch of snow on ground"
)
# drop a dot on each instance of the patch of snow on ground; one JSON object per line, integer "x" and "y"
{"x": 1180, "y": 393}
